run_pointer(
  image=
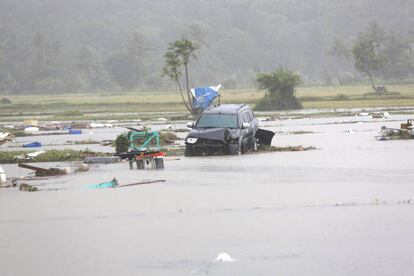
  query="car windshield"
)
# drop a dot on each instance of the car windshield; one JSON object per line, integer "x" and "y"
{"x": 217, "y": 121}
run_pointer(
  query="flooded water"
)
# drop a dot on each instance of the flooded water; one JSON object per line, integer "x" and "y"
{"x": 344, "y": 209}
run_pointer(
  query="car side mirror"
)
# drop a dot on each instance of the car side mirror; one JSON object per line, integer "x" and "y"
{"x": 190, "y": 124}
{"x": 246, "y": 125}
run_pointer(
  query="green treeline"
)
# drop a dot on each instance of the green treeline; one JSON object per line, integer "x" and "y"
{"x": 56, "y": 46}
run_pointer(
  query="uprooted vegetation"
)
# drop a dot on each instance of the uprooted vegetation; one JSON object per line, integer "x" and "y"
{"x": 265, "y": 148}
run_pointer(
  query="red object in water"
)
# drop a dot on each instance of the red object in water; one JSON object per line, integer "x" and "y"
{"x": 146, "y": 155}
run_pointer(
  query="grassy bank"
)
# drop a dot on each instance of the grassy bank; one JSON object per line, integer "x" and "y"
{"x": 131, "y": 105}
{"x": 48, "y": 156}
{"x": 9, "y": 157}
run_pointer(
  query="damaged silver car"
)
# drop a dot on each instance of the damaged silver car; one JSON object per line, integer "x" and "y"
{"x": 225, "y": 129}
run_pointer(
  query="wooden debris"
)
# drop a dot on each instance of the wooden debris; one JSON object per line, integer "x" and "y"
{"x": 42, "y": 171}
{"x": 141, "y": 183}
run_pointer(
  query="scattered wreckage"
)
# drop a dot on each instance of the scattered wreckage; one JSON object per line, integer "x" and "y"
{"x": 226, "y": 129}
{"x": 29, "y": 156}
{"x": 45, "y": 172}
{"x": 101, "y": 159}
{"x": 6, "y": 137}
{"x": 405, "y": 132}
{"x": 144, "y": 149}
{"x": 114, "y": 183}
{"x": 3, "y": 179}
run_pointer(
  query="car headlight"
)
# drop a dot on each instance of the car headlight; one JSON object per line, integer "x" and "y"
{"x": 191, "y": 140}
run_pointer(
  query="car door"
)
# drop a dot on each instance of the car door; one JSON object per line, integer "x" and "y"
{"x": 248, "y": 132}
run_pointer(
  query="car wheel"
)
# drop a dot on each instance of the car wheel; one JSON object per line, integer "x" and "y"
{"x": 188, "y": 151}
{"x": 159, "y": 163}
{"x": 254, "y": 144}
{"x": 236, "y": 148}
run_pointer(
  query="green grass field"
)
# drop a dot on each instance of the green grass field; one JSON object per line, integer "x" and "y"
{"x": 130, "y": 105}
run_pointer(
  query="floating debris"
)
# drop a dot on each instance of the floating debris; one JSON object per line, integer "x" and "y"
{"x": 264, "y": 148}
{"x": 45, "y": 172}
{"x": 380, "y": 115}
{"x": 405, "y": 132}
{"x": 104, "y": 185}
{"x": 3, "y": 178}
{"x": 142, "y": 183}
{"x": 6, "y": 137}
{"x": 75, "y": 131}
{"x": 224, "y": 257}
{"x": 30, "y": 155}
{"x": 31, "y": 123}
{"x": 100, "y": 125}
{"x": 82, "y": 168}
{"x": 101, "y": 159}
{"x": 115, "y": 184}
{"x": 33, "y": 145}
{"x": 28, "y": 188}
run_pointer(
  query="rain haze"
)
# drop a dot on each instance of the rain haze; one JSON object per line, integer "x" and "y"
{"x": 232, "y": 137}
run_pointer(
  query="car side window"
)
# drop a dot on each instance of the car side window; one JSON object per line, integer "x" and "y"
{"x": 246, "y": 118}
{"x": 250, "y": 115}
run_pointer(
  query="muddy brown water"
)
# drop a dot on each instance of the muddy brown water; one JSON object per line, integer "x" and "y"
{"x": 345, "y": 209}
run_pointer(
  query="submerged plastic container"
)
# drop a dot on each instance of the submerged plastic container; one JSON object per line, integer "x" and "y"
{"x": 104, "y": 185}
{"x": 33, "y": 145}
{"x": 75, "y": 131}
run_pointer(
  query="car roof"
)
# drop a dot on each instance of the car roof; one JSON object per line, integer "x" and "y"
{"x": 225, "y": 108}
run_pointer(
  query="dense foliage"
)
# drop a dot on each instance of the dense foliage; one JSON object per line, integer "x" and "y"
{"x": 65, "y": 46}
{"x": 280, "y": 90}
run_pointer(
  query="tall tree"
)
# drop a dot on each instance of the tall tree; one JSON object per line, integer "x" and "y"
{"x": 367, "y": 58}
{"x": 90, "y": 69}
{"x": 178, "y": 56}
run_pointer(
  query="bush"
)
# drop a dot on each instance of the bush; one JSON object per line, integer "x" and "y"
{"x": 5, "y": 101}
{"x": 121, "y": 143}
{"x": 280, "y": 90}
{"x": 340, "y": 97}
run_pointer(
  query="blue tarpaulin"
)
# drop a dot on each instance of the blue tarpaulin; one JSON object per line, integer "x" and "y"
{"x": 204, "y": 96}
{"x": 33, "y": 145}
{"x": 75, "y": 131}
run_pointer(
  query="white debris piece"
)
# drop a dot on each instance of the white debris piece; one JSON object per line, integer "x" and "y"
{"x": 386, "y": 114}
{"x": 162, "y": 119}
{"x": 34, "y": 154}
{"x": 96, "y": 125}
{"x": 31, "y": 129}
{"x": 2, "y": 176}
{"x": 67, "y": 170}
{"x": 363, "y": 114}
{"x": 224, "y": 257}
{"x": 172, "y": 127}
{"x": 4, "y": 135}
